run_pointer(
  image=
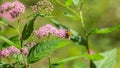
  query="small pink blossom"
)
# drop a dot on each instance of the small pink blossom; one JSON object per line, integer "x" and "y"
{"x": 91, "y": 52}
{"x": 13, "y": 50}
{"x": 5, "y": 52}
{"x": 25, "y": 51}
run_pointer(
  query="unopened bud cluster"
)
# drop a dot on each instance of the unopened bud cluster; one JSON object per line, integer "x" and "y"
{"x": 43, "y": 5}
{"x": 30, "y": 44}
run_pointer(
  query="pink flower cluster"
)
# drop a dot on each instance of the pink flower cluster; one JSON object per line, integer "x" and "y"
{"x": 7, "y": 51}
{"x": 11, "y": 10}
{"x": 48, "y": 29}
{"x": 12, "y": 50}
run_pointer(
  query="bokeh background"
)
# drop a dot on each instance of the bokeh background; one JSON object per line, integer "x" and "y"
{"x": 96, "y": 13}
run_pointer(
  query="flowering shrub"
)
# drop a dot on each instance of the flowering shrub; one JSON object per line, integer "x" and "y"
{"x": 22, "y": 51}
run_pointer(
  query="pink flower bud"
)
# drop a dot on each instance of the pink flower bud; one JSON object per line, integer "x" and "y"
{"x": 25, "y": 51}
{"x": 91, "y": 52}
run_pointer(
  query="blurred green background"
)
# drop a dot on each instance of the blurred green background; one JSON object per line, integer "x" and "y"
{"x": 96, "y": 13}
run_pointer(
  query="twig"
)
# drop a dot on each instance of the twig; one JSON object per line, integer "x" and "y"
{"x": 68, "y": 8}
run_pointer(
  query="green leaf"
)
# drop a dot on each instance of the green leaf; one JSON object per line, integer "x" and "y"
{"x": 105, "y": 30}
{"x": 80, "y": 65}
{"x": 67, "y": 60}
{"x": 14, "y": 39}
{"x": 3, "y": 21}
{"x": 68, "y": 2}
{"x": 71, "y": 16}
{"x": 108, "y": 61}
{"x": 6, "y": 65}
{"x": 28, "y": 29}
{"x": 75, "y": 36}
{"x": 76, "y": 2}
{"x": 7, "y": 41}
{"x": 58, "y": 25}
{"x": 18, "y": 58}
{"x": 62, "y": 43}
{"x": 43, "y": 49}
{"x": 95, "y": 56}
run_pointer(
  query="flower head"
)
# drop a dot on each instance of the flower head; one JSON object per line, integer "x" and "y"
{"x": 50, "y": 30}
{"x": 11, "y": 10}
{"x": 43, "y": 5}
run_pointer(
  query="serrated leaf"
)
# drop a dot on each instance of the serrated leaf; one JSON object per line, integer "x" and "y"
{"x": 108, "y": 61}
{"x": 105, "y": 30}
{"x": 18, "y": 58}
{"x": 95, "y": 56}
{"x": 75, "y": 36}
{"x": 76, "y": 2}
{"x": 7, "y": 41}
{"x": 6, "y": 65}
{"x": 43, "y": 49}
{"x": 62, "y": 43}
{"x": 28, "y": 29}
{"x": 68, "y": 2}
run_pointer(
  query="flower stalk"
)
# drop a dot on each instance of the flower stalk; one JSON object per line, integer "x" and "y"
{"x": 80, "y": 16}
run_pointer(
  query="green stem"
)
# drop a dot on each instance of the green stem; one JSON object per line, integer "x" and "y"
{"x": 86, "y": 36}
{"x": 92, "y": 65}
{"x": 80, "y": 15}
{"x": 32, "y": 14}
{"x": 49, "y": 62}
{"x": 18, "y": 27}
{"x": 21, "y": 41}
{"x": 23, "y": 56}
{"x": 18, "y": 60}
{"x": 68, "y": 8}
